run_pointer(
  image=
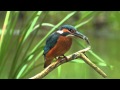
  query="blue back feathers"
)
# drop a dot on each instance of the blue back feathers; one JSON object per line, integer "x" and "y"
{"x": 51, "y": 41}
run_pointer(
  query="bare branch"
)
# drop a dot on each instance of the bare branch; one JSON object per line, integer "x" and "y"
{"x": 79, "y": 54}
{"x": 92, "y": 65}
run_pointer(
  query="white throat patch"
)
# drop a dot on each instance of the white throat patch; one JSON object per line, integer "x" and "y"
{"x": 60, "y": 32}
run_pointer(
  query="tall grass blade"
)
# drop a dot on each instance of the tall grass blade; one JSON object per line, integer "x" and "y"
{"x": 83, "y": 23}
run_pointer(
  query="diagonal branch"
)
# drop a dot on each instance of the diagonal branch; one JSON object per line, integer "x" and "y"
{"x": 79, "y": 54}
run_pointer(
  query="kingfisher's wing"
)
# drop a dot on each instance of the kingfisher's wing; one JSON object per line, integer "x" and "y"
{"x": 50, "y": 42}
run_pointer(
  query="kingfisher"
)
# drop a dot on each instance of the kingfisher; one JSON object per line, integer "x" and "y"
{"x": 59, "y": 42}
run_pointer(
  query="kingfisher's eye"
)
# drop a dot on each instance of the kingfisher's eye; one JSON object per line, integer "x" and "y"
{"x": 72, "y": 31}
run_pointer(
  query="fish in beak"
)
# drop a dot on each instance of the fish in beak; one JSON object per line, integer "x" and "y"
{"x": 80, "y": 35}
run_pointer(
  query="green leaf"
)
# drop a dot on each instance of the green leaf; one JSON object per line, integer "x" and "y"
{"x": 83, "y": 23}
{"x": 43, "y": 24}
{"x": 96, "y": 56}
{"x": 21, "y": 71}
{"x": 85, "y": 14}
{"x": 32, "y": 25}
{"x": 59, "y": 71}
{"x": 48, "y": 24}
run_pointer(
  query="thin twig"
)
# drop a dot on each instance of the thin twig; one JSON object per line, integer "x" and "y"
{"x": 79, "y": 54}
{"x": 92, "y": 65}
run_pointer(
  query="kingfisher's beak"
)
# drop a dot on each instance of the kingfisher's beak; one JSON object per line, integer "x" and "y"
{"x": 80, "y": 35}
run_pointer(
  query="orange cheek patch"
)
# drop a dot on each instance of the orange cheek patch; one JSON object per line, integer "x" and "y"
{"x": 66, "y": 30}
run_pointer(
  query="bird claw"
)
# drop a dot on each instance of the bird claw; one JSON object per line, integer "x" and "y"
{"x": 62, "y": 58}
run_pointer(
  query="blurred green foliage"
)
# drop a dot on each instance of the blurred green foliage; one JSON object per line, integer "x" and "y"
{"x": 23, "y": 35}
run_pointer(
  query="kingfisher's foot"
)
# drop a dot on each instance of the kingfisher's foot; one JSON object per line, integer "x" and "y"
{"x": 65, "y": 57}
{"x": 61, "y": 58}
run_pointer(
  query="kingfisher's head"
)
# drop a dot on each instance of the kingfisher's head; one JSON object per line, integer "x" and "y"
{"x": 70, "y": 31}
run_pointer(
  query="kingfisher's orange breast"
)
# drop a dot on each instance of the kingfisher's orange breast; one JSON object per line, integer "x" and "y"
{"x": 62, "y": 46}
